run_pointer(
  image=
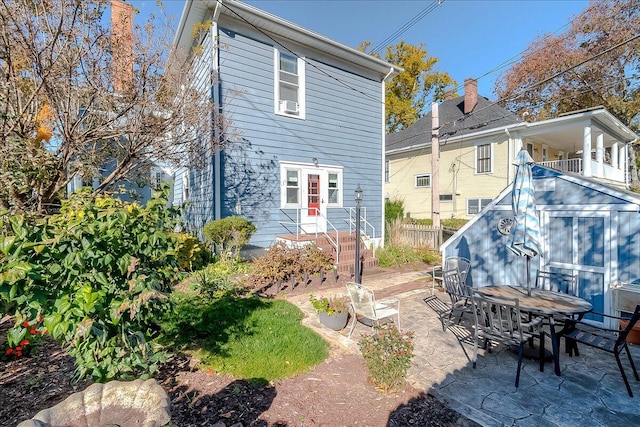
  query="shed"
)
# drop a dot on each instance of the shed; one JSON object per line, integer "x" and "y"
{"x": 589, "y": 229}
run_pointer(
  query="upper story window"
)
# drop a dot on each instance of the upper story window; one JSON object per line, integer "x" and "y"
{"x": 483, "y": 158}
{"x": 423, "y": 180}
{"x": 446, "y": 197}
{"x": 289, "y": 85}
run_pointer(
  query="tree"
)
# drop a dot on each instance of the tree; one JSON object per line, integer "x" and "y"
{"x": 596, "y": 62}
{"x": 81, "y": 97}
{"x": 407, "y": 93}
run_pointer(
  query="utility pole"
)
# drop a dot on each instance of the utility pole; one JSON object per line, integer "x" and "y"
{"x": 435, "y": 166}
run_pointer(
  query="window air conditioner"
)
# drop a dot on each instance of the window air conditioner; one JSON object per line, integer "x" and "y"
{"x": 288, "y": 106}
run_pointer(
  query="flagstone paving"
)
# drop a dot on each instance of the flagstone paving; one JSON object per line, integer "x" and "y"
{"x": 590, "y": 391}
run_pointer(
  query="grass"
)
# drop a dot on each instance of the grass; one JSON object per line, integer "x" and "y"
{"x": 249, "y": 337}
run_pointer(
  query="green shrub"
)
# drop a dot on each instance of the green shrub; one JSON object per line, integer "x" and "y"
{"x": 393, "y": 209}
{"x": 190, "y": 254}
{"x": 387, "y": 353}
{"x": 229, "y": 235}
{"x": 216, "y": 279}
{"x": 282, "y": 263}
{"x": 330, "y": 305}
{"x": 99, "y": 273}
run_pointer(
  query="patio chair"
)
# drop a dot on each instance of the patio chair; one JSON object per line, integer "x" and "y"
{"x": 609, "y": 340}
{"x": 365, "y": 306}
{"x": 563, "y": 283}
{"x": 459, "y": 293}
{"x": 463, "y": 265}
{"x": 500, "y": 320}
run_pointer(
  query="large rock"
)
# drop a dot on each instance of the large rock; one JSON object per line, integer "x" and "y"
{"x": 124, "y": 403}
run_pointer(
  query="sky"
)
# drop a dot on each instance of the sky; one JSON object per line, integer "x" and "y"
{"x": 470, "y": 38}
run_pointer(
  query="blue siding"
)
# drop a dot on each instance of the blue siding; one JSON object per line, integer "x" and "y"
{"x": 342, "y": 128}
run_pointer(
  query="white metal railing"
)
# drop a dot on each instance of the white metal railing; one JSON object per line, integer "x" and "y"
{"x": 365, "y": 225}
{"x": 298, "y": 227}
{"x": 602, "y": 170}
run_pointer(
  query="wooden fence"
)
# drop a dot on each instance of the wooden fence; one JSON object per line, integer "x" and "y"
{"x": 426, "y": 235}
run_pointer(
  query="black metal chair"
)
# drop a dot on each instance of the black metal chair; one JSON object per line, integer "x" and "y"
{"x": 500, "y": 320}
{"x": 610, "y": 340}
{"x": 459, "y": 293}
{"x": 563, "y": 283}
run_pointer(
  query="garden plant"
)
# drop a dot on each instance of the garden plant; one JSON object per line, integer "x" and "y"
{"x": 95, "y": 276}
{"x": 387, "y": 353}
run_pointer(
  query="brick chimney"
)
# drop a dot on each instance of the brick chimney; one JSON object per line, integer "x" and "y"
{"x": 449, "y": 94}
{"x": 122, "y": 44}
{"x": 470, "y": 94}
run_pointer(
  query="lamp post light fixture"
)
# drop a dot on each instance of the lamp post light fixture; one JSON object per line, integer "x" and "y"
{"x": 358, "y": 266}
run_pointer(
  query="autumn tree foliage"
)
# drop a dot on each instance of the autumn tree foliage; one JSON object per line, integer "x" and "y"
{"x": 596, "y": 62}
{"x": 409, "y": 93}
{"x": 80, "y": 98}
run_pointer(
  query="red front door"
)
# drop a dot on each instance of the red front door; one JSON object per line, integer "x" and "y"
{"x": 313, "y": 183}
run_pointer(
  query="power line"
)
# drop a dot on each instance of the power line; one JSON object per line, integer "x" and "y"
{"x": 404, "y": 28}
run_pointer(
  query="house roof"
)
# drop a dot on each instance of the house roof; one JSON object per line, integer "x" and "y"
{"x": 198, "y": 11}
{"x": 486, "y": 115}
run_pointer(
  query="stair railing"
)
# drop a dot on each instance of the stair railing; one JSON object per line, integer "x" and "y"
{"x": 298, "y": 227}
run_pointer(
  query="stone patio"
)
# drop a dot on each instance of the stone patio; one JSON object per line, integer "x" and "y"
{"x": 590, "y": 391}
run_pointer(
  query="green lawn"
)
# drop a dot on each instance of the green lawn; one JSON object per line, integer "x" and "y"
{"x": 249, "y": 337}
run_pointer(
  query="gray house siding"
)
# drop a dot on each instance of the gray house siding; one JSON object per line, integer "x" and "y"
{"x": 342, "y": 128}
{"x": 588, "y": 229}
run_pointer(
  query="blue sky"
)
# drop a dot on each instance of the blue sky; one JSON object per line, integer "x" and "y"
{"x": 471, "y": 38}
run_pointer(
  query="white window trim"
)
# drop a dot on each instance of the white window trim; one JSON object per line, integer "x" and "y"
{"x": 301, "y": 87}
{"x": 284, "y": 168}
{"x": 491, "y": 160}
{"x": 421, "y": 175}
{"x": 306, "y": 168}
{"x": 337, "y": 171}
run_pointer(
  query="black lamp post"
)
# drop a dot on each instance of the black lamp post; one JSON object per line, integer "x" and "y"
{"x": 358, "y": 266}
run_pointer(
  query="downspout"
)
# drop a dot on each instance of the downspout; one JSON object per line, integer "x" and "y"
{"x": 217, "y": 112}
{"x": 384, "y": 157}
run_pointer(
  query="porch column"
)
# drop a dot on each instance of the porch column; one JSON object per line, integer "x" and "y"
{"x": 600, "y": 155}
{"x": 614, "y": 155}
{"x": 517, "y": 142}
{"x": 586, "y": 151}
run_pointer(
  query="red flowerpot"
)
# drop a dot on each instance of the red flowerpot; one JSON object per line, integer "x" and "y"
{"x": 634, "y": 334}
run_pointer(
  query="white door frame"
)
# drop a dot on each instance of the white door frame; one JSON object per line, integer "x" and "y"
{"x": 610, "y": 257}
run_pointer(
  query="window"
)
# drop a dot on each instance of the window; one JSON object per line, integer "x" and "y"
{"x": 446, "y": 197}
{"x": 289, "y": 85}
{"x": 387, "y": 170}
{"x": 483, "y": 158}
{"x": 293, "y": 187}
{"x": 545, "y": 153}
{"x": 334, "y": 188}
{"x": 476, "y": 205}
{"x": 530, "y": 149}
{"x": 157, "y": 180}
{"x": 185, "y": 187}
{"x": 423, "y": 180}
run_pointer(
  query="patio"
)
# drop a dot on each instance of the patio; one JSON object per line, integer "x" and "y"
{"x": 589, "y": 392}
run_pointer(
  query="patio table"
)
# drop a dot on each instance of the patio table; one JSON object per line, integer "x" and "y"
{"x": 541, "y": 302}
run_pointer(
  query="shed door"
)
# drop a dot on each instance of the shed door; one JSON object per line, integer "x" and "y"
{"x": 579, "y": 243}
